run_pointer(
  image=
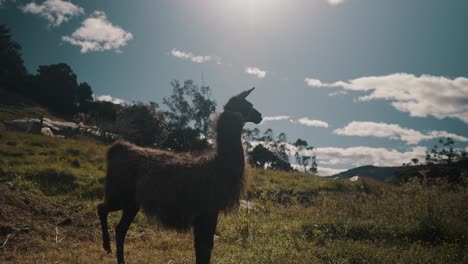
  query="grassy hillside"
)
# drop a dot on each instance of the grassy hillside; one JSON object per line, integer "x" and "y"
{"x": 49, "y": 188}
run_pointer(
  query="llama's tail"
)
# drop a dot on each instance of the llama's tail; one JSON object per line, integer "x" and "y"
{"x": 103, "y": 212}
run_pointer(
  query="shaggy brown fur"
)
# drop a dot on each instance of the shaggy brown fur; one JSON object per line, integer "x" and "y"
{"x": 180, "y": 190}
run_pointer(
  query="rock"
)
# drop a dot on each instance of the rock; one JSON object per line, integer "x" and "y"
{"x": 47, "y": 132}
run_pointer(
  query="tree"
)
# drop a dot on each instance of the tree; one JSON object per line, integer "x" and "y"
{"x": 271, "y": 154}
{"x": 445, "y": 153}
{"x": 444, "y": 161}
{"x": 304, "y": 156}
{"x": 189, "y": 116}
{"x": 268, "y": 135}
{"x": 84, "y": 97}
{"x": 12, "y": 70}
{"x": 56, "y": 87}
{"x": 280, "y": 147}
{"x": 141, "y": 124}
{"x": 261, "y": 157}
{"x": 104, "y": 114}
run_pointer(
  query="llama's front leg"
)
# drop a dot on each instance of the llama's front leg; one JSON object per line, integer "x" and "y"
{"x": 103, "y": 211}
{"x": 204, "y": 230}
{"x": 121, "y": 231}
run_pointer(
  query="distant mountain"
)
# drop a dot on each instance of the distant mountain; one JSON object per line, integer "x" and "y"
{"x": 386, "y": 174}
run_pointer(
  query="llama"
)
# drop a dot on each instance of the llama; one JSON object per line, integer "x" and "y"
{"x": 180, "y": 190}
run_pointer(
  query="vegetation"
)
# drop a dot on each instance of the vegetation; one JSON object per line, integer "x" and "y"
{"x": 184, "y": 127}
{"x": 49, "y": 188}
{"x": 189, "y": 117}
{"x": 443, "y": 162}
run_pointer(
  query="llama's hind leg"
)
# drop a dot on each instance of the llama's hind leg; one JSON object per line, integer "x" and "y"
{"x": 204, "y": 230}
{"x": 103, "y": 211}
{"x": 121, "y": 231}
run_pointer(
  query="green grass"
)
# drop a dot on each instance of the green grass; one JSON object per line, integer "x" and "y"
{"x": 49, "y": 188}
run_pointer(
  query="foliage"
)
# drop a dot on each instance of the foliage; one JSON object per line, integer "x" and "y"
{"x": 12, "y": 70}
{"x": 264, "y": 151}
{"x": 141, "y": 124}
{"x": 186, "y": 125}
{"x": 304, "y": 156}
{"x": 443, "y": 161}
{"x": 55, "y": 86}
{"x": 84, "y": 97}
{"x": 270, "y": 153}
{"x": 189, "y": 116}
{"x": 445, "y": 153}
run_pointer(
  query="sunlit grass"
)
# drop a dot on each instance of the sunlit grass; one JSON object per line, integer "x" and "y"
{"x": 49, "y": 188}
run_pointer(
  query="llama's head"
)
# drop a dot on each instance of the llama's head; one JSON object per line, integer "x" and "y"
{"x": 240, "y": 105}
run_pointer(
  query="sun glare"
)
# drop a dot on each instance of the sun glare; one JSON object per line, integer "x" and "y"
{"x": 256, "y": 7}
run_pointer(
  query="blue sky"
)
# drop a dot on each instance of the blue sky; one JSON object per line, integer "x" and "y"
{"x": 365, "y": 81}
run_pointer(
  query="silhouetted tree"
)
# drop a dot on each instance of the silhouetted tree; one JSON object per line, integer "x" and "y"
{"x": 304, "y": 157}
{"x": 141, "y": 124}
{"x": 84, "y": 97}
{"x": 261, "y": 157}
{"x": 12, "y": 70}
{"x": 445, "y": 153}
{"x": 444, "y": 161}
{"x": 56, "y": 87}
{"x": 189, "y": 115}
{"x": 104, "y": 113}
{"x": 271, "y": 154}
{"x": 280, "y": 147}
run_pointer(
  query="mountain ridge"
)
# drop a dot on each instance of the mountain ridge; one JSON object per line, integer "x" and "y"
{"x": 386, "y": 173}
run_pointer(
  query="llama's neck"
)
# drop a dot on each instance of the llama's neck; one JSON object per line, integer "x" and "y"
{"x": 230, "y": 178}
{"x": 228, "y": 139}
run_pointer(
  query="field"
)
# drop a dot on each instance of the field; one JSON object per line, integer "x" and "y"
{"x": 49, "y": 189}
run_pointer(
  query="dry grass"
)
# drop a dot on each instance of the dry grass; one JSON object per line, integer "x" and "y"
{"x": 49, "y": 189}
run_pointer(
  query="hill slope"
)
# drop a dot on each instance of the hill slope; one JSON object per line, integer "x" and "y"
{"x": 386, "y": 174}
{"x": 49, "y": 188}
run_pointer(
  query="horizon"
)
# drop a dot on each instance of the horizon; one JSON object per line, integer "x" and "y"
{"x": 366, "y": 82}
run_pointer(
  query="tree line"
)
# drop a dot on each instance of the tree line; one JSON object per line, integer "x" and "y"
{"x": 264, "y": 150}
{"x": 185, "y": 125}
{"x": 443, "y": 161}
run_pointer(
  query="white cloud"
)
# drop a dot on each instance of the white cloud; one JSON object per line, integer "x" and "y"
{"x": 321, "y": 171}
{"x": 445, "y": 134}
{"x": 275, "y": 118}
{"x": 108, "y": 98}
{"x": 358, "y": 156}
{"x": 189, "y": 56}
{"x": 98, "y": 34}
{"x": 303, "y": 121}
{"x": 335, "y": 2}
{"x": 337, "y": 93}
{"x": 420, "y": 96}
{"x": 313, "y": 123}
{"x": 393, "y": 131}
{"x": 201, "y": 59}
{"x": 315, "y": 82}
{"x": 256, "y": 72}
{"x": 55, "y": 11}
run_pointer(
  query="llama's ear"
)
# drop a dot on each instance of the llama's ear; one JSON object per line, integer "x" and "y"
{"x": 244, "y": 94}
